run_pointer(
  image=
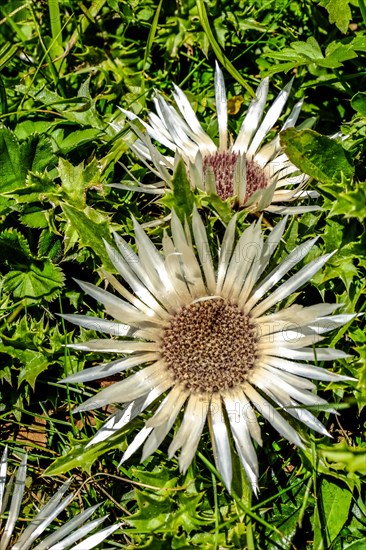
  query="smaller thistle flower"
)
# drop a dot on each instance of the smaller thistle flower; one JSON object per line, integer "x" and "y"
{"x": 205, "y": 339}
{"x": 258, "y": 176}
{"x": 63, "y": 537}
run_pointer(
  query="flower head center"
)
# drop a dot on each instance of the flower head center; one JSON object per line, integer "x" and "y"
{"x": 210, "y": 346}
{"x": 223, "y": 166}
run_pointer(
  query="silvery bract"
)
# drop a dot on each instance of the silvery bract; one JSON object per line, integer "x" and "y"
{"x": 261, "y": 177}
{"x": 61, "y": 538}
{"x": 209, "y": 344}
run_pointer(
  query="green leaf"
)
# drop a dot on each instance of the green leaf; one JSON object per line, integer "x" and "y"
{"x": 12, "y": 173}
{"x": 339, "y": 13}
{"x": 34, "y": 216}
{"x": 34, "y": 363}
{"x": 157, "y": 511}
{"x": 357, "y": 545}
{"x": 75, "y": 180}
{"x": 309, "y": 53}
{"x": 154, "y": 509}
{"x": 15, "y": 248}
{"x": 318, "y": 156}
{"x": 78, "y": 139}
{"x": 27, "y": 127}
{"x": 223, "y": 209}
{"x": 92, "y": 227}
{"x": 80, "y": 109}
{"x": 358, "y": 103}
{"x": 36, "y": 153}
{"x": 38, "y": 187}
{"x": 344, "y": 457}
{"x": 38, "y": 281}
{"x": 332, "y": 506}
{"x": 49, "y": 245}
{"x": 182, "y": 198}
{"x": 351, "y": 204}
{"x": 80, "y": 456}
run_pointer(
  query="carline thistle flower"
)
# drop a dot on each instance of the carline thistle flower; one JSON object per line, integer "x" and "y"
{"x": 61, "y": 538}
{"x": 260, "y": 177}
{"x": 209, "y": 344}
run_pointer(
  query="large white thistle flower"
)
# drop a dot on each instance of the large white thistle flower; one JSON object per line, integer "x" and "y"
{"x": 213, "y": 342}
{"x": 63, "y": 537}
{"x": 260, "y": 177}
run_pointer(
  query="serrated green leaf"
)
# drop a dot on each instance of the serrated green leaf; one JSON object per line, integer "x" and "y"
{"x": 154, "y": 510}
{"x": 351, "y": 204}
{"x": 43, "y": 280}
{"x": 36, "y": 153}
{"x": 75, "y": 180}
{"x": 34, "y": 217}
{"x": 318, "y": 156}
{"x": 14, "y": 248}
{"x": 92, "y": 227}
{"x": 80, "y": 456}
{"x": 38, "y": 187}
{"x": 339, "y": 12}
{"x": 34, "y": 364}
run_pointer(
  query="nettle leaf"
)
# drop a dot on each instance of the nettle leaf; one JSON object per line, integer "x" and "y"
{"x": 91, "y": 227}
{"x": 43, "y": 280}
{"x": 318, "y": 156}
{"x": 75, "y": 180}
{"x": 331, "y": 512}
{"x": 339, "y": 12}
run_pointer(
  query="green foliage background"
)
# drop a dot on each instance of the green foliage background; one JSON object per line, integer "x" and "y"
{"x": 65, "y": 68}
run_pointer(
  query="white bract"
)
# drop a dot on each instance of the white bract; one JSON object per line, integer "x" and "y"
{"x": 254, "y": 171}
{"x": 209, "y": 343}
{"x": 62, "y": 538}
